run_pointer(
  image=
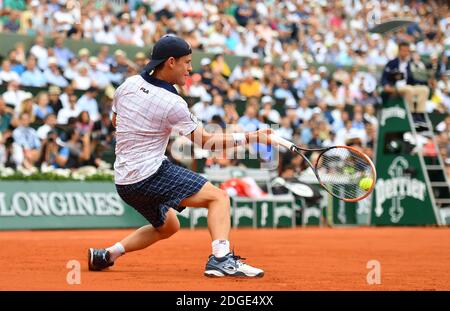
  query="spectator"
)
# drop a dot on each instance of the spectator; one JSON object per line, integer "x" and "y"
{"x": 267, "y": 113}
{"x": 6, "y": 115}
{"x": 53, "y": 99}
{"x": 84, "y": 124}
{"x": 99, "y": 79}
{"x": 82, "y": 79}
{"x": 69, "y": 112}
{"x": 216, "y": 109}
{"x": 47, "y": 127}
{"x": 53, "y": 153}
{"x": 219, "y": 66}
{"x": 347, "y": 133}
{"x": 63, "y": 54}
{"x": 285, "y": 130}
{"x": 88, "y": 103}
{"x": 304, "y": 112}
{"x": 284, "y": 92}
{"x": 15, "y": 62}
{"x": 42, "y": 107}
{"x": 83, "y": 58}
{"x": 6, "y": 74}
{"x": 105, "y": 35}
{"x": 53, "y": 75}
{"x": 197, "y": 89}
{"x": 200, "y": 109}
{"x": 33, "y": 76}
{"x": 71, "y": 69}
{"x": 39, "y": 51}
{"x": 27, "y": 138}
{"x": 11, "y": 154}
{"x": 122, "y": 31}
{"x": 26, "y": 106}
{"x": 64, "y": 97}
{"x": 231, "y": 115}
{"x": 121, "y": 61}
{"x": 13, "y": 22}
{"x": 103, "y": 133}
{"x": 79, "y": 149}
{"x": 249, "y": 122}
{"x": 14, "y": 95}
{"x": 250, "y": 87}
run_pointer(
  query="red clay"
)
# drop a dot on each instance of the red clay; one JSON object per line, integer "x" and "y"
{"x": 293, "y": 259}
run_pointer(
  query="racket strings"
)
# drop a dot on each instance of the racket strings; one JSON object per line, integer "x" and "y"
{"x": 345, "y": 173}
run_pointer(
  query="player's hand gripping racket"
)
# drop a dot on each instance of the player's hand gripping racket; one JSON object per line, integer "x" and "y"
{"x": 345, "y": 172}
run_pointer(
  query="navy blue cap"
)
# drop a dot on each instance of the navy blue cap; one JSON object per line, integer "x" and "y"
{"x": 167, "y": 46}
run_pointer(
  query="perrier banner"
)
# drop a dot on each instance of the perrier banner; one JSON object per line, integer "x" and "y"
{"x": 401, "y": 195}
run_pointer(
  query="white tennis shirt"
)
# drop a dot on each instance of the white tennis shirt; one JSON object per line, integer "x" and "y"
{"x": 147, "y": 111}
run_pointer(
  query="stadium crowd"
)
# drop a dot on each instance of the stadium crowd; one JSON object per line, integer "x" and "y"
{"x": 67, "y": 125}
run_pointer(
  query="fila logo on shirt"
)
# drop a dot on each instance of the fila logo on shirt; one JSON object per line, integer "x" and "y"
{"x": 144, "y": 90}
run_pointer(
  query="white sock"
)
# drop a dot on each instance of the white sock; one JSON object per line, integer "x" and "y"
{"x": 115, "y": 251}
{"x": 220, "y": 248}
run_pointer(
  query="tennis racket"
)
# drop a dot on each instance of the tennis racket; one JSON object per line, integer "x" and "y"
{"x": 344, "y": 172}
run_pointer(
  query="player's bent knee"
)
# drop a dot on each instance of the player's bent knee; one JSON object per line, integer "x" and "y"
{"x": 222, "y": 195}
{"x": 166, "y": 232}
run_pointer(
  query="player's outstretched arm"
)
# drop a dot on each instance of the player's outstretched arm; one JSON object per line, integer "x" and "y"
{"x": 220, "y": 141}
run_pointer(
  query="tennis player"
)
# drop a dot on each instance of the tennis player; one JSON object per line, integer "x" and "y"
{"x": 146, "y": 108}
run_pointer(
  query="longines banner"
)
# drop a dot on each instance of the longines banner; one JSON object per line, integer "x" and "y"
{"x": 58, "y": 205}
{"x": 63, "y": 204}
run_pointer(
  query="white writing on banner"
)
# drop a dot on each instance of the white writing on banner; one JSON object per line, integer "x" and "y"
{"x": 26, "y": 204}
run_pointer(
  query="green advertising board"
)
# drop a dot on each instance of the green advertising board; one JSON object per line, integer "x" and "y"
{"x": 267, "y": 212}
{"x": 402, "y": 191}
{"x": 66, "y": 204}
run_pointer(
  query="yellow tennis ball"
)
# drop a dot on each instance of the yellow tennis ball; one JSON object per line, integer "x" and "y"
{"x": 365, "y": 183}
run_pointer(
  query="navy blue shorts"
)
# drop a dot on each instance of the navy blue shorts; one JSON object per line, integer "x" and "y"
{"x": 155, "y": 195}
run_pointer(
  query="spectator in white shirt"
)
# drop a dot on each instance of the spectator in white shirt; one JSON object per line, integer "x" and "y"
{"x": 49, "y": 125}
{"x": 6, "y": 74}
{"x": 304, "y": 112}
{"x": 123, "y": 31}
{"x": 53, "y": 75}
{"x": 216, "y": 109}
{"x": 71, "y": 111}
{"x": 99, "y": 78}
{"x": 88, "y": 103}
{"x": 82, "y": 80}
{"x": 71, "y": 69}
{"x": 39, "y": 51}
{"x": 267, "y": 113}
{"x": 14, "y": 96}
{"x": 200, "y": 109}
{"x": 197, "y": 89}
{"x": 285, "y": 130}
{"x": 105, "y": 35}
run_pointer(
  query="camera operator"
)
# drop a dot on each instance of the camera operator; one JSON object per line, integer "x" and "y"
{"x": 398, "y": 78}
{"x": 53, "y": 153}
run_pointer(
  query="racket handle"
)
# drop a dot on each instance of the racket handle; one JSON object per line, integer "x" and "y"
{"x": 281, "y": 141}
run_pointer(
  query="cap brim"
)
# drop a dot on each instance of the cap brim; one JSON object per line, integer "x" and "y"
{"x": 153, "y": 64}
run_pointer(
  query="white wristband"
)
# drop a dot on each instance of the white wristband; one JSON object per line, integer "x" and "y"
{"x": 239, "y": 138}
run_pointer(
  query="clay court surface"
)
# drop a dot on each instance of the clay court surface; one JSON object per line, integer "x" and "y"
{"x": 293, "y": 259}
